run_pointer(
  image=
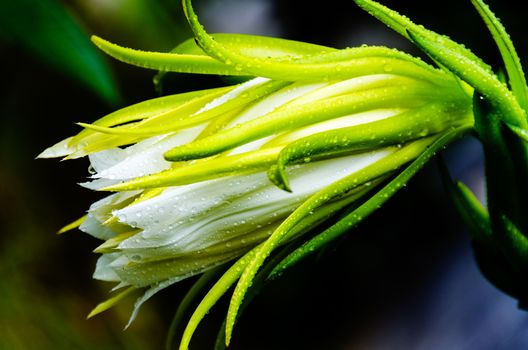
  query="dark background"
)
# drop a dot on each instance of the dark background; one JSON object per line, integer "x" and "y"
{"x": 405, "y": 279}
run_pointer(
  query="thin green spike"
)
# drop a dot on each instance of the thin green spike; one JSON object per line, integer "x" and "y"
{"x": 143, "y": 110}
{"x": 73, "y": 225}
{"x": 105, "y": 305}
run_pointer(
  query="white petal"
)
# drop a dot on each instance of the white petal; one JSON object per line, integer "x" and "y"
{"x": 342, "y": 87}
{"x": 107, "y": 158}
{"x": 60, "y": 149}
{"x": 233, "y": 93}
{"x": 275, "y": 100}
{"x": 98, "y": 184}
{"x": 103, "y": 271}
{"x": 149, "y": 293}
{"x": 148, "y": 159}
{"x": 101, "y": 211}
{"x": 196, "y": 216}
{"x": 337, "y": 123}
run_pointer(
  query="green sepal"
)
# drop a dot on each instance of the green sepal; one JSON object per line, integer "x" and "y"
{"x": 202, "y": 170}
{"x": 402, "y": 25}
{"x": 187, "y": 114}
{"x": 369, "y": 206}
{"x": 252, "y": 45}
{"x": 72, "y": 226}
{"x": 168, "y": 62}
{"x": 501, "y": 182}
{"x": 472, "y": 212}
{"x": 233, "y": 273}
{"x": 483, "y": 81}
{"x": 339, "y": 188}
{"x": 186, "y": 304}
{"x": 522, "y": 133}
{"x": 511, "y": 60}
{"x": 324, "y": 68}
{"x": 516, "y": 245}
{"x": 213, "y": 295}
{"x": 292, "y": 117}
{"x": 420, "y": 122}
{"x": 107, "y": 304}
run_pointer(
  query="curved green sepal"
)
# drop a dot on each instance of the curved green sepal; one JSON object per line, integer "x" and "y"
{"x": 215, "y": 293}
{"x": 509, "y": 55}
{"x": 296, "y": 116}
{"x": 372, "y": 204}
{"x": 420, "y": 122}
{"x": 483, "y": 81}
{"x": 168, "y": 62}
{"x": 325, "y": 69}
{"x": 517, "y": 245}
{"x": 186, "y": 303}
{"x": 203, "y": 170}
{"x": 339, "y": 188}
{"x": 522, "y": 133}
{"x": 402, "y": 24}
{"x": 472, "y": 212}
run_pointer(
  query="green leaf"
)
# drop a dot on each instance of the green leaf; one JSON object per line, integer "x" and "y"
{"x": 46, "y": 29}
{"x": 372, "y": 204}
{"x": 509, "y": 55}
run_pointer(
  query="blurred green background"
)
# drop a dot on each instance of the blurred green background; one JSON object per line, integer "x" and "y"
{"x": 403, "y": 280}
